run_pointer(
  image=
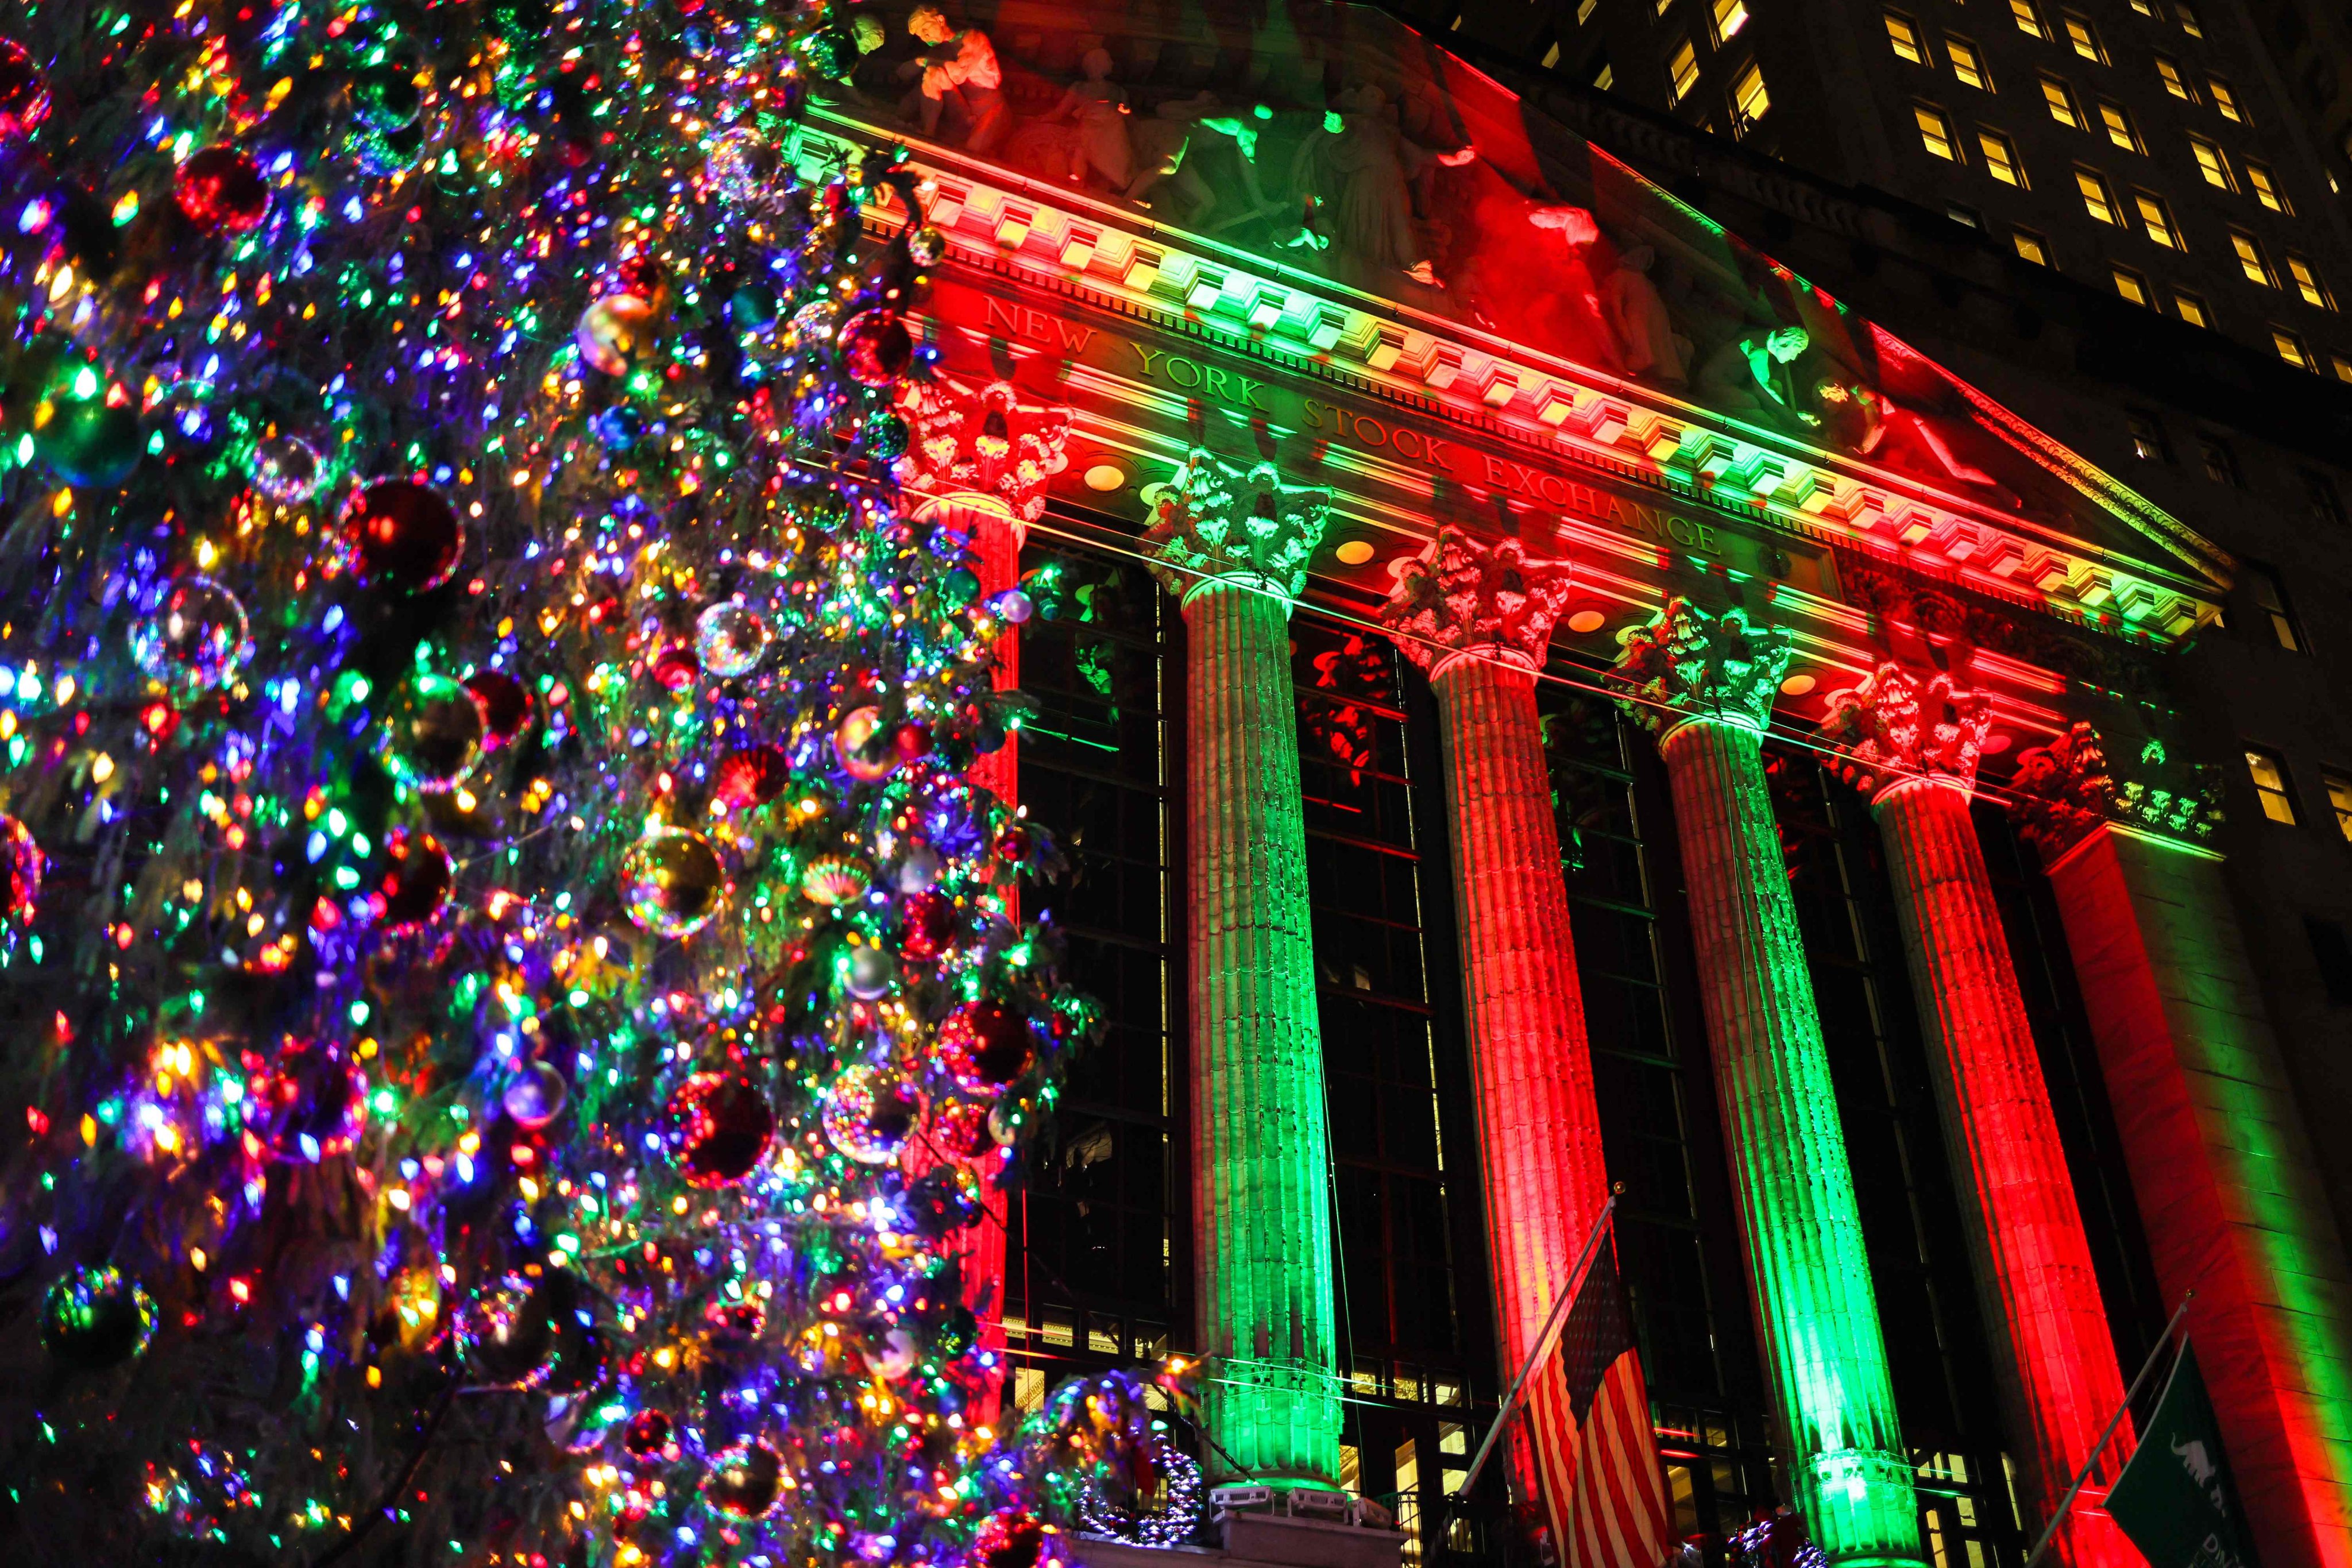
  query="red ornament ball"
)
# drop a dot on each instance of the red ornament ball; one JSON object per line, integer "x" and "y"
{"x": 1009, "y": 1538}
{"x": 313, "y": 1103}
{"x": 418, "y": 882}
{"x": 506, "y": 706}
{"x": 876, "y": 347}
{"x": 721, "y": 1126}
{"x": 221, "y": 190}
{"x": 754, "y": 776}
{"x": 986, "y": 1046}
{"x": 647, "y": 1435}
{"x": 404, "y": 535}
{"x": 24, "y": 94}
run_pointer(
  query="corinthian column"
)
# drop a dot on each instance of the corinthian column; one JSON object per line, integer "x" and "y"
{"x": 1911, "y": 739}
{"x": 2230, "y": 1190}
{"x": 1478, "y": 617}
{"x": 1705, "y": 684}
{"x": 1233, "y": 546}
{"x": 978, "y": 461}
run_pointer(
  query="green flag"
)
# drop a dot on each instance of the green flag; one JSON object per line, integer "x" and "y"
{"x": 2175, "y": 1499}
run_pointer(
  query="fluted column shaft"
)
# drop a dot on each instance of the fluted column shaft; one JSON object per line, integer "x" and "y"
{"x": 1262, "y": 1206}
{"x": 2056, "y": 1361}
{"x": 1539, "y": 1127}
{"x": 1815, "y": 1312}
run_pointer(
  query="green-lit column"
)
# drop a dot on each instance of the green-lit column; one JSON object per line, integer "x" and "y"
{"x": 1704, "y": 683}
{"x": 1233, "y": 546}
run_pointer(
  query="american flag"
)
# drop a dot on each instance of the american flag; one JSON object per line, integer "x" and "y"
{"x": 1589, "y": 1414}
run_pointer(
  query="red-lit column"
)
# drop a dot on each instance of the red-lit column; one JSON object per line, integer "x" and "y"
{"x": 1912, "y": 737}
{"x": 1478, "y": 617}
{"x": 1704, "y": 683}
{"x": 2229, "y": 1191}
{"x": 978, "y": 462}
{"x": 1233, "y": 546}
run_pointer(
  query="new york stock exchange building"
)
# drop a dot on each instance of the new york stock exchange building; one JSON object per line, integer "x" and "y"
{"x": 1581, "y": 756}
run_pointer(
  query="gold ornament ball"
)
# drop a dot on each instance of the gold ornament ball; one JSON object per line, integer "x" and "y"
{"x": 673, "y": 881}
{"x": 615, "y": 332}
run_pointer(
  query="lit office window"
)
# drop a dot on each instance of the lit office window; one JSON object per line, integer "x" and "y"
{"x": 2339, "y": 799}
{"x": 2030, "y": 245}
{"x": 2148, "y": 438}
{"x": 2174, "y": 83}
{"x": 2260, "y": 181}
{"x": 2211, "y": 163}
{"x": 2269, "y": 774}
{"x": 2188, "y": 23}
{"x": 2080, "y": 33}
{"x": 1903, "y": 36}
{"x": 2061, "y": 99}
{"x": 2308, "y": 283}
{"x": 1748, "y": 99}
{"x": 2191, "y": 308}
{"x": 2029, "y": 20}
{"x": 2001, "y": 158}
{"x": 1936, "y": 131}
{"x": 2251, "y": 259}
{"x": 2224, "y": 100}
{"x": 2131, "y": 285}
{"x": 2120, "y": 130}
{"x": 2341, "y": 365}
{"x": 2097, "y": 200}
{"x": 1965, "y": 63}
{"x": 2157, "y": 218}
{"x": 1681, "y": 72}
{"x": 1730, "y": 15}
{"x": 2292, "y": 347}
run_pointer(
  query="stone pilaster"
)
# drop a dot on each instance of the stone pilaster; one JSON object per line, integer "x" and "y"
{"x": 1233, "y": 545}
{"x": 1704, "y": 683}
{"x": 1911, "y": 739}
{"x": 1478, "y": 617}
{"x": 2220, "y": 1161}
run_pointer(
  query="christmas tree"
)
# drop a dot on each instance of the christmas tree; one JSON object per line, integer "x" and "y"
{"x": 514, "y": 994}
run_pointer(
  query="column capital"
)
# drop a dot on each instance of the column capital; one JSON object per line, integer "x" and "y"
{"x": 1464, "y": 598}
{"x": 1691, "y": 663}
{"x": 1215, "y": 521}
{"x": 1905, "y": 723}
{"x": 2064, "y": 790}
{"x": 983, "y": 449}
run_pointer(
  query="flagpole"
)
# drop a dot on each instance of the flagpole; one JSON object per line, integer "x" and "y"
{"x": 1536, "y": 1351}
{"x": 2058, "y": 1516}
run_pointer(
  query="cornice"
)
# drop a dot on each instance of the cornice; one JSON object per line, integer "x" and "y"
{"x": 1039, "y": 235}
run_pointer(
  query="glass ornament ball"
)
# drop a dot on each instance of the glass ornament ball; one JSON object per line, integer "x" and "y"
{"x": 869, "y": 1114}
{"x": 194, "y": 640}
{"x": 928, "y": 246}
{"x": 673, "y": 882}
{"x": 894, "y": 1357}
{"x": 754, "y": 776}
{"x": 288, "y": 469}
{"x": 1009, "y": 1538}
{"x": 312, "y": 1102}
{"x": 813, "y": 322}
{"x": 94, "y": 1318}
{"x": 739, "y": 163}
{"x": 615, "y": 332}
{"x": 21, "y": 864}
{"x": 418, "y": 881}
{"x": 887, "y": 436}
{"x": 876, "y": 347}
{"x": 869, "y": 973}
{"x": 404, "y": 535}
{"x": 387, "y": 97}
{"x": 919, "y": 868}
{"x": 433, "y": 734}
{"x": 509, "y": 1333}
{"x": 1014, "y": 607}
{"x": 535, "y": 1095}
{"x": 986, "y": 1046}
{"x": 87, "y": 440}
{"x": 720, "y": 1125}
{"x": 620, "y": 427}
{"x": 221, "y": 190}
{"x": 745, "y": 1480}
{"x": 960, "y": 1128}
{"x": 862, "y": 744}
{"x": 24, "y": 92}
{"x": 506, "y": 704}
{"x": 647, "y": 1435}
{"x": 730, "y": 638}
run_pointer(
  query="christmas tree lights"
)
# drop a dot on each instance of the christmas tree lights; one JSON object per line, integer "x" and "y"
{"x": 514, "y": 989}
